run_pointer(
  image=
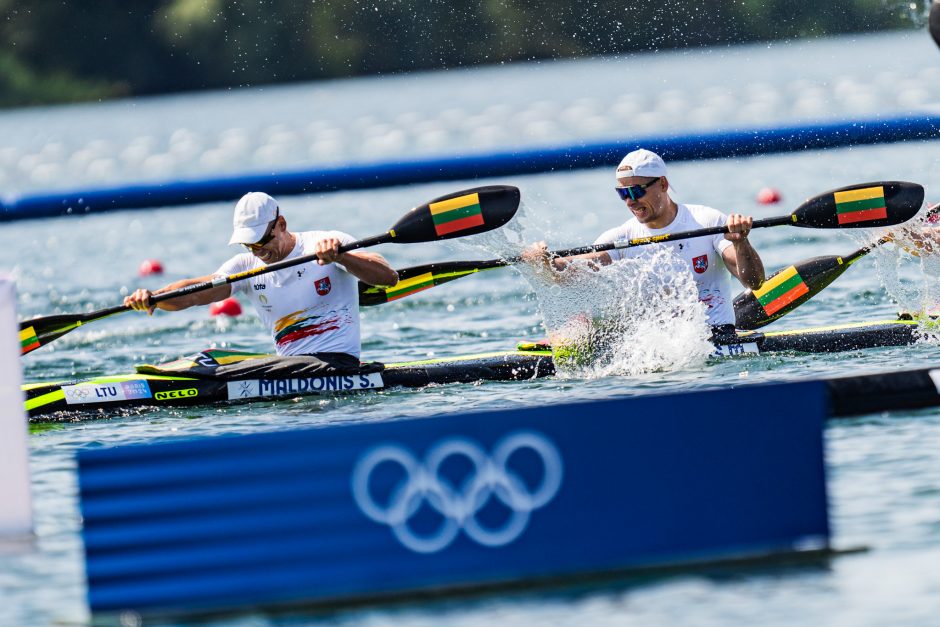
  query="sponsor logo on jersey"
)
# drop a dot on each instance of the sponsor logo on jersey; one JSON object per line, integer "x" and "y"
{"x": 700, "y": 264}
{"x": 257, "y": 388}
{"x": 259, "y": 286}
{"x": 323, "y": 286}
{"x": 171, "y": 394}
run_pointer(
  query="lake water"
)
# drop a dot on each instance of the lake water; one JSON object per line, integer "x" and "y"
{"x": 883, "y": 469}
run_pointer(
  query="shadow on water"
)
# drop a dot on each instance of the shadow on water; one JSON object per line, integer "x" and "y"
{"x": 615, "y": 588}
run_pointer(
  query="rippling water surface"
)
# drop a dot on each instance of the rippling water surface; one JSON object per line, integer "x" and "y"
{"x": 883, "y": 469}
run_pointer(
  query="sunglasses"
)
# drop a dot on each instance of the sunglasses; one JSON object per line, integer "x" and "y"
{"x": 267, "y": 237}
{"x": 634, "y": 192}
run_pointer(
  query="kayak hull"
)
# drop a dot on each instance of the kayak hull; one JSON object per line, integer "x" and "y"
{"x": 194, "y": 380}
{"x": 110, "y": 395}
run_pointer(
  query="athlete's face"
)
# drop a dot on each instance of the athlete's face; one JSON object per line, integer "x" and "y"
{"x": 653, "y": 203}
{"x": 273, "y": 247}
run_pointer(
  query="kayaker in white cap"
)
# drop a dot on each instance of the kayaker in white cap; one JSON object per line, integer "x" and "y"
{"x": 643, "y": 184}
{"x": 310, "y": 309}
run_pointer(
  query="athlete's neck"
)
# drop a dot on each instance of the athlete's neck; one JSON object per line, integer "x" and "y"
{"x": 666, "y": 217}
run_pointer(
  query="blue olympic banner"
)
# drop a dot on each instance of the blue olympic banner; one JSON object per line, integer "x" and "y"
{"x": 692, "y": 146}
{"x": 335, "y": 515}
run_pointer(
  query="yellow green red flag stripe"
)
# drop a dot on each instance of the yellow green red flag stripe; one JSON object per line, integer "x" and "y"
{"x": 457, "y": 214}
{"x": 861, "y": 205}
{"x": 410, "y": 286}
{"x": 781, "y": 290}
{"x": 28, "y": 340}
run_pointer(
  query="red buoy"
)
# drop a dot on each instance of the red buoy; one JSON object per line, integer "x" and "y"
{"x": 933, "y": 213}
{"x": 768, "y": 196}
{"x": 228, "y": 307}
{"x": 150, "y": 266}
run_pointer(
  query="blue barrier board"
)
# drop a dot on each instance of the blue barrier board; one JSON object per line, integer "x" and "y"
{"x": 377, "y": 510}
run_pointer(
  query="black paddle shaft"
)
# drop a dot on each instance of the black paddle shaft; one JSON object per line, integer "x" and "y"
{"x": 205, "y": 285}
{"x": 658, "y": 239}
{"x": 492, "y": 206}
{"x": 274, "y": 267}
{"x": 901, "y": 202}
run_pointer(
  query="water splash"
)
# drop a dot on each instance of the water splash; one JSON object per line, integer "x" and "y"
{"x": 909, "y": 270}
{"x": 636, "y": 316}
{"x": 510, "y": 239}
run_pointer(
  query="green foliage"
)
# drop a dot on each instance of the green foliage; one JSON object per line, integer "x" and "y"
{"x": 55, "y": 51}
{"x": 20, "y": 86}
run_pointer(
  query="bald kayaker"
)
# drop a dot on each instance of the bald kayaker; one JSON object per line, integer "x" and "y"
{"x": 309, "y": 309}
{"x": 643, "y": 184}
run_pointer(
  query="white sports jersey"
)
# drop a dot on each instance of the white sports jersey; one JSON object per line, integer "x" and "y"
{"x": 702, "y": 254}
{"x": 308, "y": 308}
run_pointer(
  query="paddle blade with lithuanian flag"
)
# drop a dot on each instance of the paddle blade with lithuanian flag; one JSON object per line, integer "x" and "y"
{"x": 29, "y": 341}
{"x": 39, "y": 332}
{"x": 419, "y": 278}
{"x": 467, "y": 212}
{"x": 786, "y": 290}
{"x": 868, "y": 205}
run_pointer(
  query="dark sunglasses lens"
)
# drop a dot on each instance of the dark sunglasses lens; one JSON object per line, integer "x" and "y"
{"x": 634, "y": 192}
{"x": 261, "y": 243}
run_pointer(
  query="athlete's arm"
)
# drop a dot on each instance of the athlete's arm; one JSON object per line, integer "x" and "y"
{"x": 370, "y": 268}
{"x": 140, "y": 299}
{"x": 740, "y": 258}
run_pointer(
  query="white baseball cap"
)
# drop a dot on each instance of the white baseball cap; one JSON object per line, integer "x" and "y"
{"x": 253, "y": 214}
{"x": 641, "y": 162}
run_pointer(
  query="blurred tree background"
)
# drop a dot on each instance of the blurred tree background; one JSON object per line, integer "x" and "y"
{"x": 60, "y": 51}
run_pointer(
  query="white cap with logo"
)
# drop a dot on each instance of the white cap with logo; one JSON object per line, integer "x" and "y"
{"x": 253, "y": 213}
{"x": 641, "y": 162}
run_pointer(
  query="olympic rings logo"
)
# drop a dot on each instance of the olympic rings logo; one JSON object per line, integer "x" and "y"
{"x": 458, "y": 506}
{"x": 77, "y": 392}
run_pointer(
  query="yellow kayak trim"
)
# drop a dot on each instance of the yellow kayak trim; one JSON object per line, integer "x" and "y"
{"x": 45, "y": 399}
{"x": 444, "y": 360}
{"x": 835, "y": 327}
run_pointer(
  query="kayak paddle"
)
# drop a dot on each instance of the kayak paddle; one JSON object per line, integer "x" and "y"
{"x": 867, "y": 205}
{"x": 789, "y": 288}
{"x": 463, "y": 213}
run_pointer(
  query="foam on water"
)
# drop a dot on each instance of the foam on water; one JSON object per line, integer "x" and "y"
{"x": 632, "y": 317}
{"x": 909, "y": 270}
{"x": 635, "y": 316}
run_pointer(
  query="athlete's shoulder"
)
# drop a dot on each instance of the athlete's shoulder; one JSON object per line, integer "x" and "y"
{"x": 627, "y": 230}
{"x": 705, "y": 215}
{"x": 239, "y": 263}
{"x": 310, "y": 238}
